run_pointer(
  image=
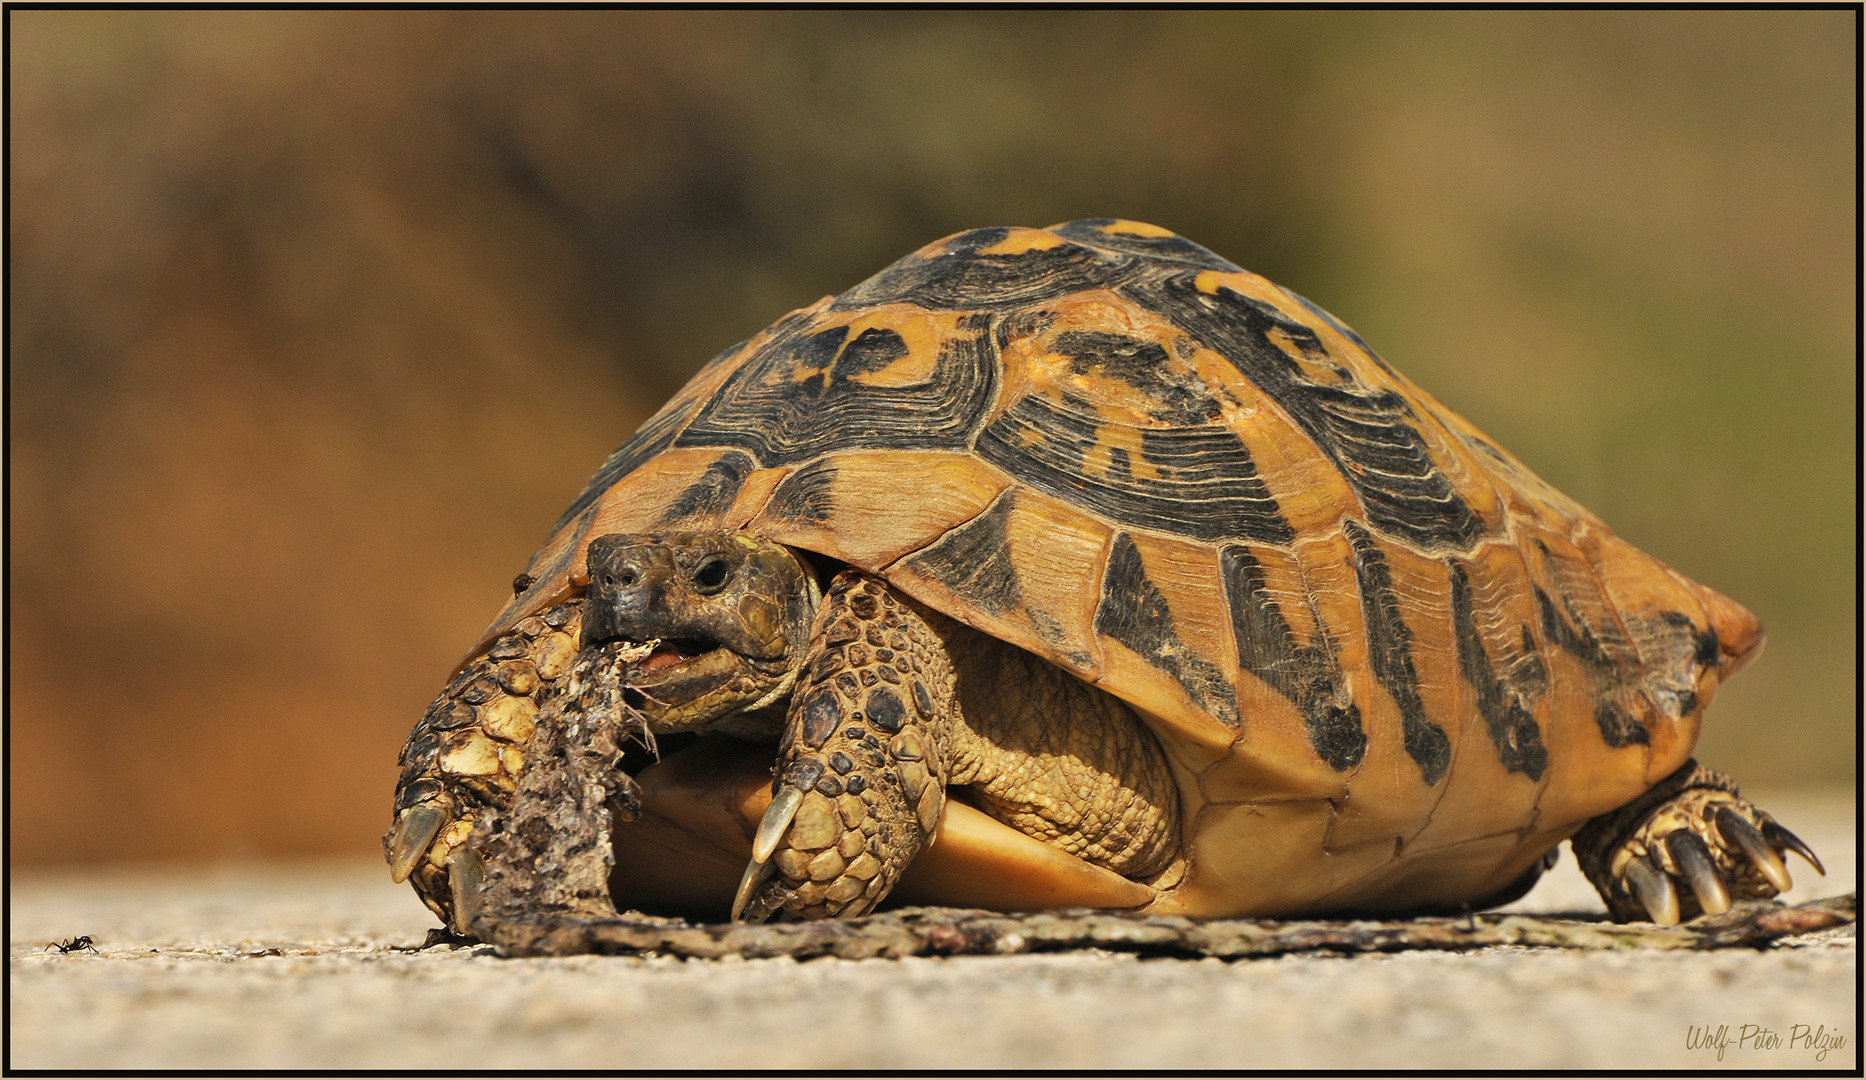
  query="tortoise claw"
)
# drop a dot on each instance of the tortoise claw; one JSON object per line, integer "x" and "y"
{"x": 1788, "y": 841}
{"x": 777, "y": 818}
{"x": 1693, "y": 858}
{"x": 1654, "y": 890}
{"x": 755, "y": 875}
{"x": 415, "y": 828}
{"x": 1740, "y": 834}
{"x": 771, "y": 827}
{"x": 465, "y": 873}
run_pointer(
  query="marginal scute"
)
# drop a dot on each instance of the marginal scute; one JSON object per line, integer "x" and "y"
{"x": 1055, "y": 549}
{"x": 810, "y": 508}
{"x": 1308, "y": 673}
{"x": 1390, "y": 644}
{"x": 1493, "y": 697}
{"x": 687, "y": 483}
{"x": 973, "y": 560}
{"x": 654, "y": 436}
{"x": 711, "y": 496}
{"x": 1507, "y": 719}
{"x": 805, "y": 498}
{"x": 1135, "y": 612}
{"x": 1578, "y": 618}
{"x": 1589, "y": 673}
{"x": 658, "y": 433}
{"x": 1680, "y": 632}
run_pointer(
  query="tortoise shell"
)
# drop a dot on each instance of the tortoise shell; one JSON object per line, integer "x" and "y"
{"x": 1390, "y": 666}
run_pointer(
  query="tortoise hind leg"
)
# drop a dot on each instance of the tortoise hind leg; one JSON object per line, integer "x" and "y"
{"x": 1692, "y": 830}
{"x": 1062, "y": 761}
{"x": 862, "y": 766}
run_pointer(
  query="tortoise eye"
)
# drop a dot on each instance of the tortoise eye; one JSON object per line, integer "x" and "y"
{"x": 712, "y": 574}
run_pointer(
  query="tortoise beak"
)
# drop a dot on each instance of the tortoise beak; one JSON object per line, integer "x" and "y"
{"x": 629, "y": 593}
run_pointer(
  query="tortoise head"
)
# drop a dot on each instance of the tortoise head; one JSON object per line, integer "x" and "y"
{"x": 731, "y": 612}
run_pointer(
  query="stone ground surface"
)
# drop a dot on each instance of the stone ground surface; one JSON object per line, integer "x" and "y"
{"x": 312, "y": 966}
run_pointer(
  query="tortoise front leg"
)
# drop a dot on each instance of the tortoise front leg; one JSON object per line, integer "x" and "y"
{"x": 1693, "y": 828}
{"x": 466, "y": 755}
{"x": 863, "y": 764}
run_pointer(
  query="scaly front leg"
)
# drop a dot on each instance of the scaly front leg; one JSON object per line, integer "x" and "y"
{"x": 863, "y": 764}
{"x": 466, "y": 755}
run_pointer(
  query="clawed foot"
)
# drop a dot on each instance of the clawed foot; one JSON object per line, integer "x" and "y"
{"x": 861, "y": 785}
{"x": 817, "y": 856}
{"x": 1689, "y": 848}
{"x": 466, "y": 757}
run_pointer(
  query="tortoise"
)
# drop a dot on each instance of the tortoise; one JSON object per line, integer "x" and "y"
{"x": 1078, "y": 567}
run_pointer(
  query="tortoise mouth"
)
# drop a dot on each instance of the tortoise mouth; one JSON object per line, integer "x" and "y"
{"x": 675, "y": 652}
{"x": 680, "y": 669}
{"x": 687, "y": 683}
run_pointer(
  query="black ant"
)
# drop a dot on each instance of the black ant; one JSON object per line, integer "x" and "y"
{"x": 76, "y": 944}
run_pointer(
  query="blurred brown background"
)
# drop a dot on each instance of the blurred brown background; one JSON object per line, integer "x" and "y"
{"x": 319, "y": 319}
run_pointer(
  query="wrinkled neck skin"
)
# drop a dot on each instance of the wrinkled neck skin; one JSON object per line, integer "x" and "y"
{"x": 730, "y": 613}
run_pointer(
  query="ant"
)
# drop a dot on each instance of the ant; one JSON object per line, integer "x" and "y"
{"x": 74, "y": 945}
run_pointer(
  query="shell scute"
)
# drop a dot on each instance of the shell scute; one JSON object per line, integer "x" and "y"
{"x": 1050, "y": 550}
{"x": 1140, "y": 238}
{"x": 988, "y": 269}
{"x": 1160, "y": 602}
{"x": 1415, "y": 706}
{"x": 1119, "y": 419}
{"x": 1286, "y": 648}
{"x": 1498, "y": 660}
{"x": 1681, "y": 635}
{"x": 809, "y": 508}
{"x": 1232, "y": 844}
{"x": 1599, "y": 751}
{"x": 898, "y": 380}
{"x": 1367, "y": 429}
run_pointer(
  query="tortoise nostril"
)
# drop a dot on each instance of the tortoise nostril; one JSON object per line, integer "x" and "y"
{"x": 626, "y": 579}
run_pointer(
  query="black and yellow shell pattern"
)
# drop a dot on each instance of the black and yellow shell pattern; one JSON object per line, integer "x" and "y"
{"x": 1388, "y": 663}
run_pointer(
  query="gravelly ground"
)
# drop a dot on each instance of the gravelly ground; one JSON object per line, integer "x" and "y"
{"x": 302, "y": 966}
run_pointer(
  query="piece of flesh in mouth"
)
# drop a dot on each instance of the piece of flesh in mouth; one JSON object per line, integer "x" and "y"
{"x": 672, "y": 652}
